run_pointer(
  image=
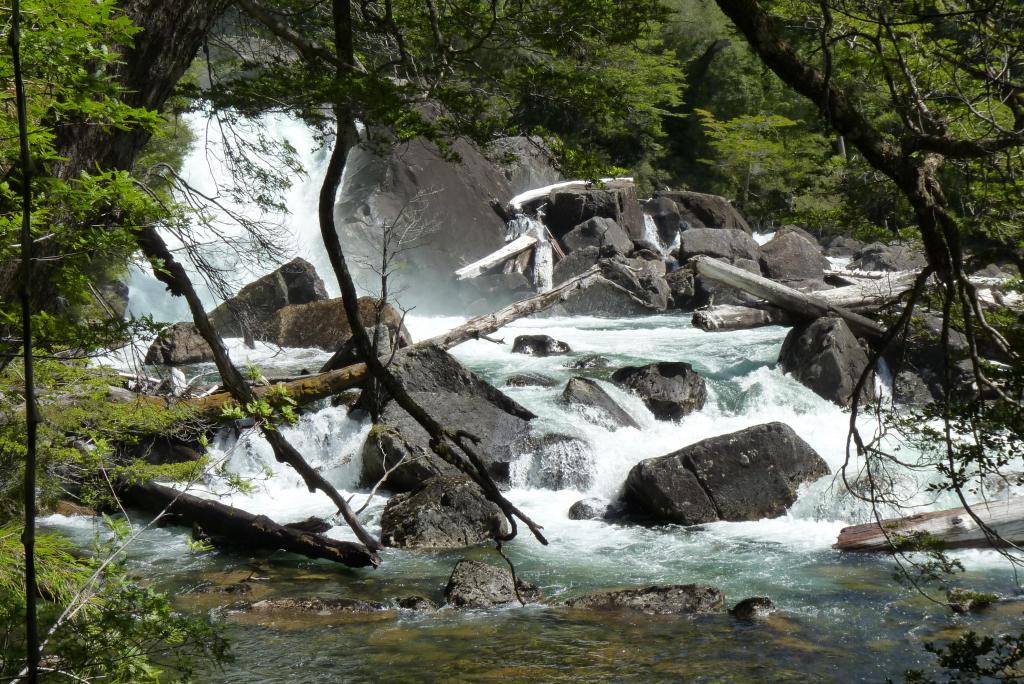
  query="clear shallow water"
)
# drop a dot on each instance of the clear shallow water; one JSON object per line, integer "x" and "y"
{"x": 842, "y": 617}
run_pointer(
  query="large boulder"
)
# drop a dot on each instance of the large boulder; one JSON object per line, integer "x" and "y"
{"x": 597, "y": 232}
{"x": 250, "y": 311}
{"x": 525, "y": 162}
{"x": 457, "y": 398}
{"x": 670, "y": 390}
{"x": 746, "y": 475}
{"x": 700, "y": 210}
{"x": 672, "y": 599}
{"x": 629, "y": 291}
{"x": 177, "y": 345}
{"x": 539, "y": 345}
{"x": 616, "y": 200}
{"x": 692, "y": 291}
{"x": 719, "y": 243}
{"x": 324, "y": 325}
{"x": 895, "y": 257}
{"x": 418, "y": 189}
{"x": 595, "y": 404}
{"x": 473, "y": 584}
{"x": 824, "y": 355}
{"x": 920, "y": 362}
{"x": 445, "y": 513}
{"x": 842, "y": 246}
{"x": 792, "y": 255}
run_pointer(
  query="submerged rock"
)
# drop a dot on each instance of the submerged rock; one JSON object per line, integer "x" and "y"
{"x": 445, "y": 513}
{"x": 539, "y": 345}
{"x": 594, "y": 509}
{"x": 455, "y": 397}
{"x": 673, "y": 599}
{"x": 596, "y": 404}
{"x": 589, "y": 362}
{"x": 753, "y": 608}
{"x": 962, "y": 600}
{"x": 480, "y": 585}
{"x": 746, "y": 475}
{"x": 530, "y": 380}
{"x": 308, "y": 606}
{"x": 670, "y": 390}
{"x": 415, "y": 603}
{"x": 824, "y": 355}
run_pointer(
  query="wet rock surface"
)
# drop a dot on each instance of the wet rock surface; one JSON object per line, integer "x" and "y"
{"x": 473, "y": 584}
{"x": 825, "y": 356}
{"x": 539, "y": 345}
{"x": 670, "y": 390}
{"x": 746, "y": 475}
{"x": 673, "y": 599}
{"x": 753, "y": 608}
{"x": 178, "y": 345}
{"x": 596, "y": 404}
{"x": 445, "y": 513}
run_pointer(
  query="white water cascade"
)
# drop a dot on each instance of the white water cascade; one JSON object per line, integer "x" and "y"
{"x": 788, "y": 558}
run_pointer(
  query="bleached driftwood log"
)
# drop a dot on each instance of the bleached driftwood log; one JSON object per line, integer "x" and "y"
{"x": 949, "y": 529}
{"x": 786, "y": 298}
{"x": 520, "y": 244}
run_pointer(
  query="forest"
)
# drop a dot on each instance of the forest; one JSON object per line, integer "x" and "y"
{"x": 532, "y": 340}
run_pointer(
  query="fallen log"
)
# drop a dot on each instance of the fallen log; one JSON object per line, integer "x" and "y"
{"x": 792, "y": 301}
{"x": 310, "y": 388}
{"x": 866, "y": 296}
{"x": 520, "y": 244}
{"x": 949, "y": 529}
{"x": 241, "y": 528}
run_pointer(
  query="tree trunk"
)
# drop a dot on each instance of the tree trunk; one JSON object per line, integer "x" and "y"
{"x": 508, "y": 251}
{"x": 786, "y": 298}
{"x": 954, "y": 528}
{"x": 242, "y": 529}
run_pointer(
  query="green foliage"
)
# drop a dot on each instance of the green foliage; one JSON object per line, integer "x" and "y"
{"x": 273, "y": 408}
{"x": 119, "y": 634}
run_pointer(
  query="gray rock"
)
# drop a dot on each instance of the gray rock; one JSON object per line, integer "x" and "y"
{"x": 575, "y": 263}
{"x": 415, "y": 603}
{"x": 745, "y": 475}
{"x": 718, "y": 243}
{"x": 569, "y": 207}
{"x": 530, "y": 380}
{"x": 252, "y": 309}
{"x": 629, "y": 292}
{"x": 454, "y": 396}
{"x": 445, "y": 513}
{"x": 824, "y": 355}
{"x": 895, "y": 257}
{"x": 178, "y": 345}
{"x": 589, "y": 509}
{"x": 962, "y": 600}
{"x": 589, "y": 362}
{"x": 700, "y": 210}
{"x": 480, "y": 585}
{"x": 539, "y": 345}
{"x": 395, "y": 184}
{"x": 595, "y": 404}
{"x": 753, "y": 608}
{"x": 597, "y": 232}
{"x": 525, "y": 162}
{"x": 921, "y": 355}
{"x": 842, "y": 246}
{"x": 670, "y": 390}
{"x": 673, "y": 599}
{"x": 311, "y": 606}
{"x": 323, "y": 324}
{"x": 791, "y": 255}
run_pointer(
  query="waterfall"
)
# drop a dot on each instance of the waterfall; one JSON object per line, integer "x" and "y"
{"x": 297, "y": 232}
{"x": 651, "y": 234}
